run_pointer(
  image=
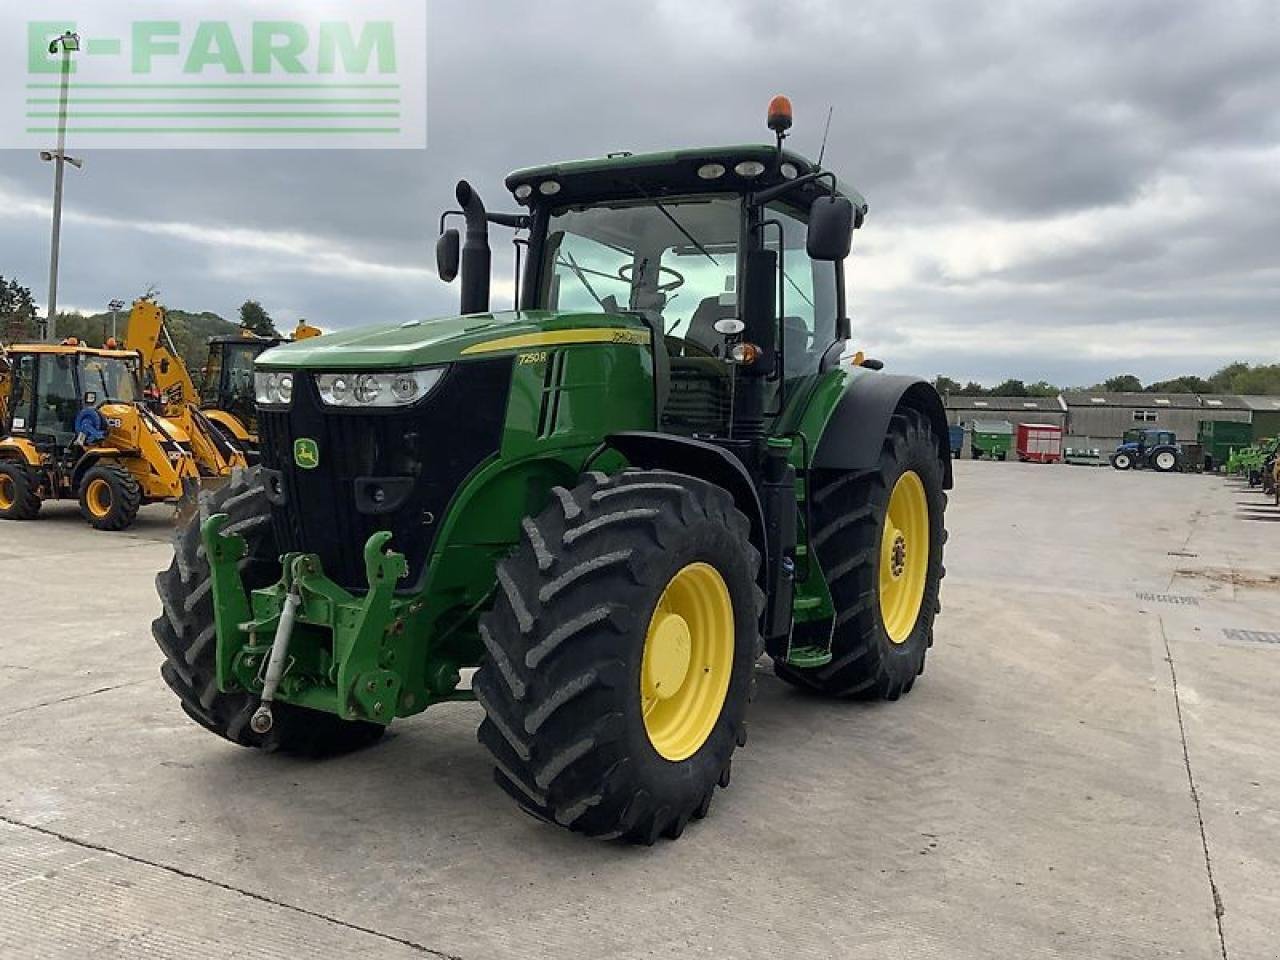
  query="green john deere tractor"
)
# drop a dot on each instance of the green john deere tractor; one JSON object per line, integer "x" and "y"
{"x": 611, "y": 501}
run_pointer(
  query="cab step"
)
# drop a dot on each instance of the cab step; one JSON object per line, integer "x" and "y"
{"x": 808, "y": 657}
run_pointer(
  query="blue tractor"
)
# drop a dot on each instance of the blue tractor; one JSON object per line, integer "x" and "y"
{"x": 1157, "y": 449}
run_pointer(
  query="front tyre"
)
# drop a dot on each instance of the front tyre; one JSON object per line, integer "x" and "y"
{"x": 185, "y": 633}
{"x": 109, "y": 496}
{"x": 620, "y": 653}
{"x": 1121, "y": 461}
{"x": 878, "y": 537}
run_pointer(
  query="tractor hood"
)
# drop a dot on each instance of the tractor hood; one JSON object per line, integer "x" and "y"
{"x": 419, "y": 343}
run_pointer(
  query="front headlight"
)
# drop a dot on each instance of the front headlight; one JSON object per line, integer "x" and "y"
{"x": 398, "y": 389}
{"x": 273, "y": 388}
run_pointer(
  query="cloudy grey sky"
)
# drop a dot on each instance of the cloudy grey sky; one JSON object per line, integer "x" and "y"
{"x": 1058, "y": 190}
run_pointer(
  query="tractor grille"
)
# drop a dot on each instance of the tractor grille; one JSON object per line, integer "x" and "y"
{"x": 416, "y": 458}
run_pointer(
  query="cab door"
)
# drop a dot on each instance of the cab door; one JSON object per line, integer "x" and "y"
{"x": 22, "y": 390}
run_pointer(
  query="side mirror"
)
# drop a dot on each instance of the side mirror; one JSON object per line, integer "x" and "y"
{"x": 447, "y": 255}
{"x": 830, "y": 228}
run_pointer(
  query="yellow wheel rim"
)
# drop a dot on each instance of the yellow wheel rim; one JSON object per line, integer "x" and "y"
{"x": 904, "y": 557}
{"x": 98, "y": 498}
{"x": 688, "y": 657}
{"x": 8, "y": 496}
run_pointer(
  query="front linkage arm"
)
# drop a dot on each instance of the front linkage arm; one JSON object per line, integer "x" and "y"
{"x": 355, "y": 677}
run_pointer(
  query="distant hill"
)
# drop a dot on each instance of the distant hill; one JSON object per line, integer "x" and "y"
{"x": 190, "y": 332}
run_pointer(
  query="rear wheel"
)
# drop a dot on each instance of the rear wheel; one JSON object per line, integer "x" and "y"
{"x": 1121, "y": 461}
{"x": 620, "y": 654}
{"x": 878, "y": 537}
{"x": 185, "y": 634}
{"x": 109, "y": 496}
{"x": 19, "y": 492}
{"x": 1164, "y": 461}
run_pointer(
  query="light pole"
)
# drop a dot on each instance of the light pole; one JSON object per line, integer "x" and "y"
{"x": 69, "y": 43}
{"x": 114, "y": 306}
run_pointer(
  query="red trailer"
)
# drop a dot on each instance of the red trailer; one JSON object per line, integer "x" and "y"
{"x": 1039, "y": 443}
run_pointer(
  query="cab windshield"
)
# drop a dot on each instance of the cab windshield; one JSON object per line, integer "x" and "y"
{"x": 675, "y": 262}
{"x": 110, "y": 379}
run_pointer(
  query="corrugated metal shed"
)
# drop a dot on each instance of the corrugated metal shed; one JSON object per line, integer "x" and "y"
{"x": 964, "y": 410}
{"x": 1265, "y": 414}
{"x": 1102, "y": 418}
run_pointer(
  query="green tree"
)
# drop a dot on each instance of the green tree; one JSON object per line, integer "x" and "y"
{"x": 945, "y": 385}
{"x": 1262, "y": 379}
{"x": 1221, "y": 380}
{"x": 972, "y": 389}
{"x": 1010, "y": 388}
{"x": 254, "y": 317}
{"x": 17, "y": 311}
{"x": 1124, "y": 383}
{"x": 1042, "y": 388}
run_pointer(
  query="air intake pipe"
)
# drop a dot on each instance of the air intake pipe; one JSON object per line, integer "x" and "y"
{"x": 475, "y": 251}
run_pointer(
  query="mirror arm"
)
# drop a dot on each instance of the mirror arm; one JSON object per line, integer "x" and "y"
{"x": 446, "y": 215}
{"x": 772, "y": 193}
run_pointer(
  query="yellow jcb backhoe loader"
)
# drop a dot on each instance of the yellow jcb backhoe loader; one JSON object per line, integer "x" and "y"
{"x": 74, "y": 426}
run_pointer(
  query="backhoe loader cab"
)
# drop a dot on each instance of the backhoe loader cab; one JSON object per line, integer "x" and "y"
{"x": 76, "y": 427}
{"x": 665, "y": 462}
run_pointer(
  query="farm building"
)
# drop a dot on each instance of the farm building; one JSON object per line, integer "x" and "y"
{"x": 1099, "y": 419}
{"x": 1265, "y": 415}
{"x": 964, "y": 410}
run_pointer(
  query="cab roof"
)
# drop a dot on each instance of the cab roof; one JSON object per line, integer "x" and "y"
{"x": 669, "y": 173}
{"x": 67, "y": 349}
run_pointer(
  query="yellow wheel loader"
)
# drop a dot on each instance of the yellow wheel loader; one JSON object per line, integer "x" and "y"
{"x": 223, "y": 409}
{"x": 170, "y": 390}
{"x": 74, "y": 426}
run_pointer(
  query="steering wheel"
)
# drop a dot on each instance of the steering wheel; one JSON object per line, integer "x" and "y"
{"x": 625, "y": 271}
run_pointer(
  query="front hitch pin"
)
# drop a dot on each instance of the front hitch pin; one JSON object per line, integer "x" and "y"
{"x": 261, "y": 721}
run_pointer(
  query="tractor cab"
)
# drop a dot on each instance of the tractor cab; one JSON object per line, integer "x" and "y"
{"x": 228, "y": 376}
{"x": 731, "y": 256}
{"x": 51, "y": 386}
{"x": 1144, "y": 440}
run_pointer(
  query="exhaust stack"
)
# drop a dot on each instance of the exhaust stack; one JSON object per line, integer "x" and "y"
{"x": 475, "y": 251}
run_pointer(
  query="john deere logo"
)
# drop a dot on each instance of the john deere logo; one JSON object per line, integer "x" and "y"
{"x": 306, "y": 453}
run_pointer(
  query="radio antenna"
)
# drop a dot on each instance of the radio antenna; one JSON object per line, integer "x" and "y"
{"x": 825, "y": 130}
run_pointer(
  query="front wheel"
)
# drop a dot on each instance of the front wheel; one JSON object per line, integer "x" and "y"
{"x": 878, "y": 537}
{"x": 1121, "y": 461}
{"x": 109, "y": 496}
{"x": 620, "y": 652}
{"x": 185, "y": 633}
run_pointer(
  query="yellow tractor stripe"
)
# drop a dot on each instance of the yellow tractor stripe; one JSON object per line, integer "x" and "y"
{"x": 557, "y": 338}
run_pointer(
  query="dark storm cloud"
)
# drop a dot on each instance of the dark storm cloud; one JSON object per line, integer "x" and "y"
{"x": 1037, "y": 167}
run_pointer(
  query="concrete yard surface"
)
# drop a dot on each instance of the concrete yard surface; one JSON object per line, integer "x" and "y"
{"x": 1088, "y": 768}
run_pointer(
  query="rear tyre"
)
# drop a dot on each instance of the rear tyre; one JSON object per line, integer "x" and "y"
{"x": 1163, "y": 461}
{"x": 185, "y": 634}
{"x": 109, "y": 496}
{"x": 878, "y": 538}
{"x": 19, "y": 492}
{"x": 597, "y": 714}
{"x": 1121, "y": 461}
